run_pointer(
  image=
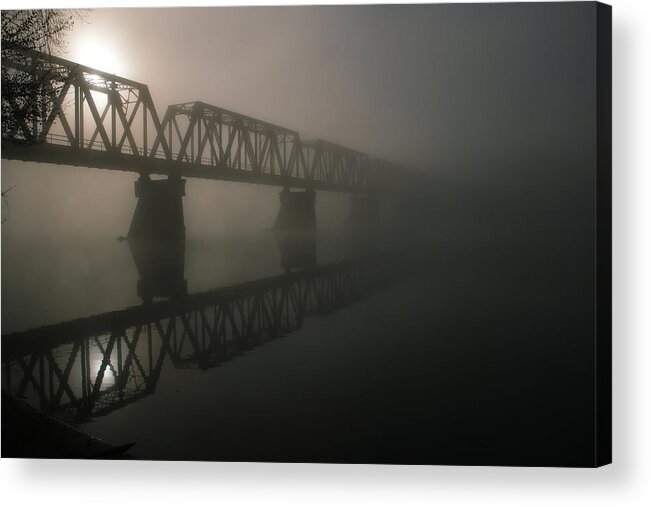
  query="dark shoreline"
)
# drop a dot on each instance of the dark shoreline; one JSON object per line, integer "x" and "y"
{"x": 29, "y": 433}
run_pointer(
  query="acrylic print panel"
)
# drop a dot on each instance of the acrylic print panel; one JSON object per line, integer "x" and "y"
{"x": 358, "y": 234}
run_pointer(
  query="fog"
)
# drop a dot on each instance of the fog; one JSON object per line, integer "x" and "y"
{"x": 486, "y": 344}
{"x": 494, "y": 100}
{"x": 448, "y": 87}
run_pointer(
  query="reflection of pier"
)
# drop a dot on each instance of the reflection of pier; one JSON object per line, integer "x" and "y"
{"x": 92, "y": 366}
{"x": 161, "y": 267}
{"x": 297, "y": 249}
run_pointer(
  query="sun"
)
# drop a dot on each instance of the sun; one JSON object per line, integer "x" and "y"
{"x": 98, "y": 52}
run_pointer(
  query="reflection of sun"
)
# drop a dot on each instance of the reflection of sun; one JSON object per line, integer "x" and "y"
{"x": 109, "y": 377}
{"x": 96, "y": 53}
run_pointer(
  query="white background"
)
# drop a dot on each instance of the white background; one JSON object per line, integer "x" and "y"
{"x": 626, "y": 482}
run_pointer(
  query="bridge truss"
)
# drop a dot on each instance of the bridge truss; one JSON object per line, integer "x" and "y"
{"x": 96, "y": 119}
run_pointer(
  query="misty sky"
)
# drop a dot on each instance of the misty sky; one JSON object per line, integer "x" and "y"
{"x": 499, "y": 98}
{"x": 449, "y": 87}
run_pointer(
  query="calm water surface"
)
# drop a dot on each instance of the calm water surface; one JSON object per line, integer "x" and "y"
{"x": 48, "y": 282}
{"x": 482, "y": 354}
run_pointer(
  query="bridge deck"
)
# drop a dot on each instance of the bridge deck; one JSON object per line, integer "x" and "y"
{"x": 65, "y": 155}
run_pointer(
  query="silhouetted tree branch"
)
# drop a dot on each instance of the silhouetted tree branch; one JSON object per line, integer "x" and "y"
{"x": 6, "y": 201}
{"x": 28, "y": 93}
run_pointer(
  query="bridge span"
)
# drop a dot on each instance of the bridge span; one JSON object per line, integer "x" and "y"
{"x": 100, "y": 120}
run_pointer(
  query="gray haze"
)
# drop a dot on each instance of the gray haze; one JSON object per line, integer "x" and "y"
{"x": 496, "y": 98}
{"x": 450, "y": 87}
{"x": 486, "y": 355}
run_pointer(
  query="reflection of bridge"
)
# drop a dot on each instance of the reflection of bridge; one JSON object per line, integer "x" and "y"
{"x": 94, "y": 365}
{"x": 101, "y": 120}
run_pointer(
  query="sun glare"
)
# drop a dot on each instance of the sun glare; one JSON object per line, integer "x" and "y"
{"x": 98, "y": 54}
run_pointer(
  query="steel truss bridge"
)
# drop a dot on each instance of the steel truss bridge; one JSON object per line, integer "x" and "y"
{"x": 105, "y": 121}
{"x": 92, "y": 366}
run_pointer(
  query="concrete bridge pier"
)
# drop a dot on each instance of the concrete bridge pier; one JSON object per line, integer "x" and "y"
{"x": 296, "y": 211}
{"x": 363, "y": 212}
{"x": 295, "y": 229}
{"x": 159, "y": 213}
